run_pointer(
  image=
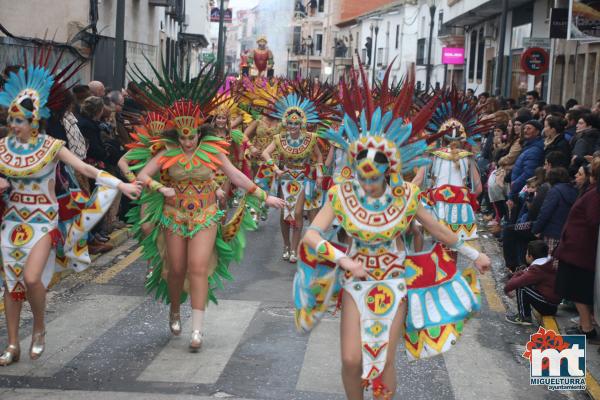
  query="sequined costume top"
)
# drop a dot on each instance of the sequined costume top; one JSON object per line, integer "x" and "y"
{"x": 194, "y": 205}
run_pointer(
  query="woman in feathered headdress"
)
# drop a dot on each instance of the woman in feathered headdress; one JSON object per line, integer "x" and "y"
{"x": 41, "y": 232}
{"x": 188, "y": 243}
{"x": 223, "y": 117}
{"x": 375, "y": 207}
{"x": 296, "y": 148}
{"x": 452, "y": 179}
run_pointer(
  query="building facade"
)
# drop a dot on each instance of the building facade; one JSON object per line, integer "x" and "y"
{"x": 153, "y": 28}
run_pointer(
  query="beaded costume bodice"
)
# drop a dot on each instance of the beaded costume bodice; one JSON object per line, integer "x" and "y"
{"x": 374, "y": 223}
{"x": 295, "y": 152}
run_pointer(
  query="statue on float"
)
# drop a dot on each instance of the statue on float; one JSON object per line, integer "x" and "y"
{"x": 260, "y": 59}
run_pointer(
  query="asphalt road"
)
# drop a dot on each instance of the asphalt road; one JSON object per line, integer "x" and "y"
{"x": 108, "y": 340}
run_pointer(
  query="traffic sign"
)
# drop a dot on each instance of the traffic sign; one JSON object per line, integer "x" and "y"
{"x": 535, "y": 61}
{"x": 543, "y": 43}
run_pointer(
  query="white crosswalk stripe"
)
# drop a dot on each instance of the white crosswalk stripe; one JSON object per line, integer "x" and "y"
{"x": 321, "y": 367}
{"x": 70, "y": 333}
{"x": 225, "y": 326}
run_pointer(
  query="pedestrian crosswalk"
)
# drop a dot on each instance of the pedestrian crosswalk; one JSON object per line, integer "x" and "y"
{"x": 70, "y": 333}
{"x": 472, "y": 370}
{"x": 111, "y": 341}
{"x": 225, "y": 325}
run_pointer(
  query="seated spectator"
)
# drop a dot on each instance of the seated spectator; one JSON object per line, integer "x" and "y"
{"x": 554, "y": 138}
{"x": 534, "y": 286}
{"x": 552, "y": 216}
{"x": 576, "y": 254}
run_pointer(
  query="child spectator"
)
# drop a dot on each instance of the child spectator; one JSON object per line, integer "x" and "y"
{"x": 534, "y": 286}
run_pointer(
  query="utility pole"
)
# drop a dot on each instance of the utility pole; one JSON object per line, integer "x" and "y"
{"x": 500, "y": 57}
{"x": 431, "y": 19}
{"x": 119, "y": 63}
{"x": 220, "y": 55}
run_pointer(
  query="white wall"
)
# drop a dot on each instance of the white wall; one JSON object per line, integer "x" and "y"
{"x": 146, "y": 20}
{"x": 59, "y": 20}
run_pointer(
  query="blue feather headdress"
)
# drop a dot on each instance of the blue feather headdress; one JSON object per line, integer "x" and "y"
{"x": 34, "y": 84}
{"x": 295, "y": 108}
{"x": 456, "y": 119}
{"x": 386, "y": 127}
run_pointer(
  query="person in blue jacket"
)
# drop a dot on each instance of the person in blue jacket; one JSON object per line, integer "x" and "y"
{"x": 531, "y": 157}
{"x": 555, "y": 208}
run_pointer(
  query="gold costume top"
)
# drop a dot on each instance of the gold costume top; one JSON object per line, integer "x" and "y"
{"x": 194, "y": 206}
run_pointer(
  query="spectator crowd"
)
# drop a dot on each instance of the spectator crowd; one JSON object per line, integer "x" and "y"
{"x": 541, "y": 166}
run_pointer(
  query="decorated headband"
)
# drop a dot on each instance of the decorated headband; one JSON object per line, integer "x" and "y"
{"x": 184, "y": 116}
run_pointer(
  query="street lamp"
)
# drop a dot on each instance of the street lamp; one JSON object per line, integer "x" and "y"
{"x": 432, "y": 8}
{"x": 221, "y": 44}
{"x": 375, "y": 27}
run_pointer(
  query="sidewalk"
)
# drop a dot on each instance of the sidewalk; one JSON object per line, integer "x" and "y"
{"x": 117, "y": 238}
{"x": 558, "y": 323}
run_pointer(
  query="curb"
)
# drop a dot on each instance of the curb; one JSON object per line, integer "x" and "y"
{"x": 117, "y": 238}
{"x": 592, "y": 385}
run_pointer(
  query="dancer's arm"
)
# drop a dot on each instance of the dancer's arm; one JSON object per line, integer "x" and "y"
{"x": 450, "y": 239}
{"x": 130, "y": 190}
{"x": 236, "y": 122}
{"x": 419, "y": 176}
{"x": 240, "y": 180}
{"x": 475, "y": 178}
{"x": 319, "y": 167}
{"x": 249, "y": 133}
{"x": 326, "y": 250}
{"x": 266, "y": 155}
{"x": 150, "y": 170}
{"x": 124, "y": 167}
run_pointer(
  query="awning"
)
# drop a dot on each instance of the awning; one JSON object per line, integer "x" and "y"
{"x": 193, "y": 38}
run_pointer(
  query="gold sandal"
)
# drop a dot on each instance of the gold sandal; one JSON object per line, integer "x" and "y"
{"x": 38, "y": 345}
{"x": 11, "y": 355}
